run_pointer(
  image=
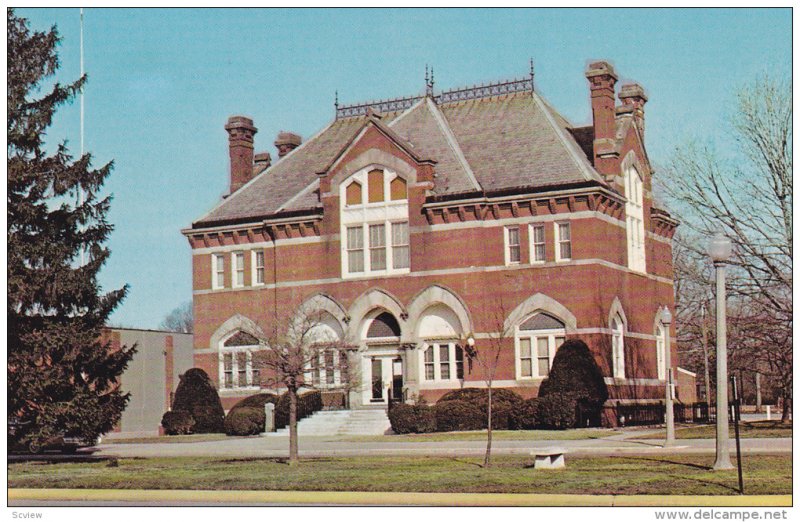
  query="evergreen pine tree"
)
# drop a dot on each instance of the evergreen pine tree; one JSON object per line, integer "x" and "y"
{"x": 62, "y": 376}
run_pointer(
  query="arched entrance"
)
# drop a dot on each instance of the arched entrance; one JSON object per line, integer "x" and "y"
{"x": 382, "y": 364}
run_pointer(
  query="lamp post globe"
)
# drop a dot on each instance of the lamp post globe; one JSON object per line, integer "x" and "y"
{"x": 720, "y": 249}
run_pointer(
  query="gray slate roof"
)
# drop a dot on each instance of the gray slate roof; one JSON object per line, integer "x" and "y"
{"x": 511, "y": 141}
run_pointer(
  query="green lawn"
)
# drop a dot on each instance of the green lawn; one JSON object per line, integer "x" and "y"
{"x": 675, "y": 475}
{"x": 580, "y": 434}
{"x": 747, "y": 430}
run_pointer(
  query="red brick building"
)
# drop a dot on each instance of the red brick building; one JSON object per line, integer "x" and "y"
{"x": 419, "y": 223}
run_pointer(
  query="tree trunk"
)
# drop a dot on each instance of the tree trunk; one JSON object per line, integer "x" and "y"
{"x": 487, "y": 460}
{"x": 707, "y": 375}
{"x": 758, "y": 392}
{"x": 787, "y": 407}
{"x": 293, "y": 457}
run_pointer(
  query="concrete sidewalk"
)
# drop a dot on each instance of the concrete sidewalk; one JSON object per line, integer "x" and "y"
{"x": 109, "y": 497}
{"x": 620, "y": 444}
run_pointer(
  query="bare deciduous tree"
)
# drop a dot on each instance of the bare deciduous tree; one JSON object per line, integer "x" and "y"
{"x": 488, "y": 359}
{"x": 294, "y": 351}
{"x": 747, "y": 195}
{"x": 179, "y": 320}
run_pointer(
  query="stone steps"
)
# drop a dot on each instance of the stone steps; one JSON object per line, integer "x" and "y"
{"x": 341, "y": 422}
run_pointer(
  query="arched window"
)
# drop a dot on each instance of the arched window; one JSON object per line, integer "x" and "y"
{"x": 236, "y": 369}
{"x": 330, "y": 367}
{"x": 374, "y": 223}
{"x": 618, "y": 347}
{"x": 634, "y": 210}
{"x": 536, "y": 341}
{"x": 661, "y": 343}
{"x": 384, "y": 325}
{"x": 442, "y": 357}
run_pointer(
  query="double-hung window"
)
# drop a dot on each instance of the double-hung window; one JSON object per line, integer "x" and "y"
{"x": 443, "y": 361}
{"x": 227, "y": 366}
{"x": 355, "y": 249}
{"x": 258, "y": 267}
{"x": 512, "y": 245}
{"x": 400, "y": 257}
{"x": 537, "y": 341}
{"x": 618, "y": 348}
{"x": 237, "y": 267}
{"x": 537, "y": 243}
{"x": 634, "y": 210}
{"x": 218, "y": 271}
{"x": 563, "y": 241}
{"x": 430, "y": 366}
{"x": 377, "y": 247}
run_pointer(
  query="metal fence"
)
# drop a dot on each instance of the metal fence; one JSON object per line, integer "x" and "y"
{"x": 652, "y": 414}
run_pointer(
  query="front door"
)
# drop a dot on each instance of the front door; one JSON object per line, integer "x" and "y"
{"x": 397, "y": 380}
{"x": 377, "y": 380}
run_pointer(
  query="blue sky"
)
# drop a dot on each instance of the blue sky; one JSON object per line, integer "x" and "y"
{"x": 163, "y": 82}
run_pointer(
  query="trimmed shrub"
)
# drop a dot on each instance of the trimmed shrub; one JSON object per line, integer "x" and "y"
{"x": 459, "y": 416}
{"x": 526, "y": 416}
{"x": 504, "y": 403}
{"x": 307, "y": 404}
{"x": 408, "y": 418}
{"x": 255, "y": 401}
{"x": 197, "y": 395}
{"x": 245, "y": 421}
{"x": 557, "y": 411}
{"x": 575, "y": 372}
{"x": 177, "y": 422}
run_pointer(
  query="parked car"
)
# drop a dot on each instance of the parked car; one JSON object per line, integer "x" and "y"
{"x": 64, "y": 443}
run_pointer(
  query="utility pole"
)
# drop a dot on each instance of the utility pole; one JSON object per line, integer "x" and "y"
{"x": 80, "y": 189}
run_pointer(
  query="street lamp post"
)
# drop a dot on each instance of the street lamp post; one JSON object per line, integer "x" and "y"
{"x": 666, "y": 320}
{"x": 720, "y": 251}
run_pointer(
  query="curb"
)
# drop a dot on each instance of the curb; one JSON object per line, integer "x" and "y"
{"x": 355, "y": 498}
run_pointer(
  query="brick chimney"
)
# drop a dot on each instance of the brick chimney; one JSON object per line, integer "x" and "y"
{"x": 287, "y": 142}
{"x": 261, "y": 162}
{"x": 240, "y": 144}
{"x": 602, "y": 79}
{"x": 632, "y": 95}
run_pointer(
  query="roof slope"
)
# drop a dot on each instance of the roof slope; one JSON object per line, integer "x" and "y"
{"x": 486, "y": 144}
{"x": 516, "y": 140}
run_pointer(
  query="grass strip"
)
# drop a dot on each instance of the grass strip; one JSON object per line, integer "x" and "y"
{"x": 619, "y": 475}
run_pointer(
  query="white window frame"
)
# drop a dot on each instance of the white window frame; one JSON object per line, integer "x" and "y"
{"x": 507, "y": 244}
{"x": 618, "y": 347}
{"x": 634, "y": 220}
{"x": 386, "y": 213}
{"x": 217, "y": 275}
{"x": 558, "y": 240}
{"x": 237, "y": 256}
{"x": 254, "y": 268}
{"x": 233, "y": 351}
{"x": 452, "y": 363}
{"x": 319, "y": 375}
{"x": 406, "y": 245}
{"x": 532, "y": 244}
{"x": 533, "y": 335}
{"x": 661, "y": 344}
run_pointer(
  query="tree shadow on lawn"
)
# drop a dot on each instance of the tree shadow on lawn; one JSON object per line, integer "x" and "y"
{"x": 278, "y": 460}
{"x": 683, "y": 477}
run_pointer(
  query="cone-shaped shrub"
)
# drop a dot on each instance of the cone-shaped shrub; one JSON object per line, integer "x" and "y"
{"x": 197, "y": 395}
{"x": 576, "y": 374}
